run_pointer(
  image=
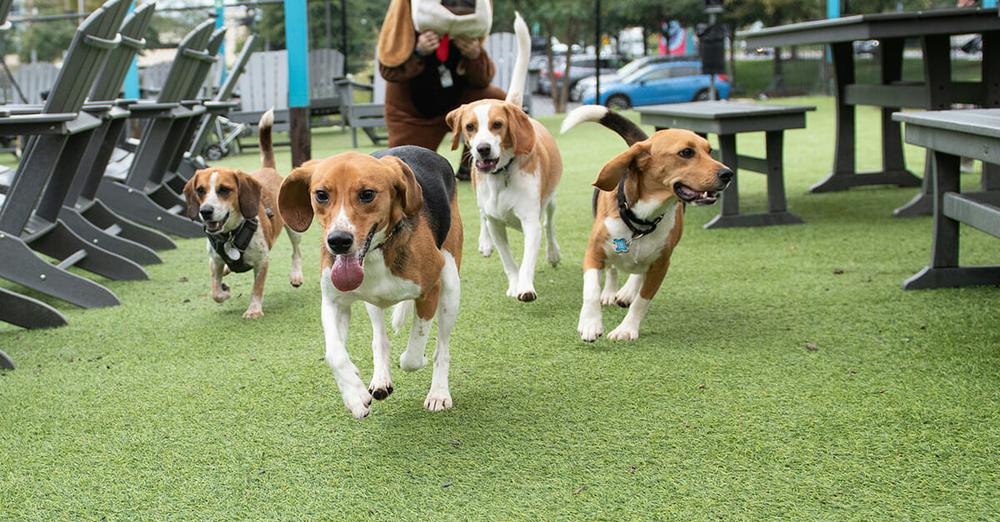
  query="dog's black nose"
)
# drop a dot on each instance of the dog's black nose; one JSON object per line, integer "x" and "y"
{"x": 484, "y": 150}
{"x": 725, "y": 175}
{"x": 340, "y": 242}
{"x": 206, "y": 213}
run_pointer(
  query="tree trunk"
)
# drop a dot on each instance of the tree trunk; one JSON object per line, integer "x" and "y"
{"x": 778, "y": 80}
{"x": 645, "y": 42}
{"x": 732, "y": 55}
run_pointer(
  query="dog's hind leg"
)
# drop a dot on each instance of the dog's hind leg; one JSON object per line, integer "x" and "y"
{"x": 485, "y": 243}
{"x": 610, "y": 286}
{"x": 498, "y": 232}
{"x": 630, "y": 292}
{"x": 439, "y": 397}
{"x": 295, "y": 277}
{"x": 413, "y": 358}
{"x": 551, "y": 246}
{"x": 400, "y": 313}
{"x": 381, "y": 385}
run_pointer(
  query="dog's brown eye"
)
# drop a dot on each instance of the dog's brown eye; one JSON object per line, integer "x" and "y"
{"x": 200, "y": 191}
{"x": 366, "y": 196}
{"x": 497, "y": 125}
{"x": 322, "y": 196}
{"x": 224, "y": 190}
{"x": 687, "y": 153}
{"x": 470, "y": 127}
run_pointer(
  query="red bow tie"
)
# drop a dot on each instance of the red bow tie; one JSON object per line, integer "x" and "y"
{"x": 442, "y": 50}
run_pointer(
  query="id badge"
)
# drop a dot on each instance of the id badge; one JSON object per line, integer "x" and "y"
{"x": 446, "y": 79}
{"x": 232, "y": 252}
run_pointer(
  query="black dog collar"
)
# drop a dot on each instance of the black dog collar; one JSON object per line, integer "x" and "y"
{"x": 239, "y": 239}
{"x": 639, "y": 227}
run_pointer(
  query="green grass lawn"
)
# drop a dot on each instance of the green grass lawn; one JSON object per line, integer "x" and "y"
{"x": 173, "y": 407}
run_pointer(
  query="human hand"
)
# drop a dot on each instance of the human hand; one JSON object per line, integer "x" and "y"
{"x": 427, "y": 43}
{"x": 469, "y": 47}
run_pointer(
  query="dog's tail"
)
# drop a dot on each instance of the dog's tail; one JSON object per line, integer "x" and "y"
{"x": 400, "y": 314}
{"x": 266, "y": 143}
{"x": 625, "y": 127}
{"x": 515, "y": 92}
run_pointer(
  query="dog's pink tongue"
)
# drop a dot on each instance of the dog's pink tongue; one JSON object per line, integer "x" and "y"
{"x": 347, "y": 273}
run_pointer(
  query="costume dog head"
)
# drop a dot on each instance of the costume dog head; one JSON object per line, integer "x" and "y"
{"x": 406, "y": 18}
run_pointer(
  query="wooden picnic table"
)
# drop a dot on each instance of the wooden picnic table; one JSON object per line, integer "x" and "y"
{"x": 949, "y": 135}
{"x": 936, "y": 91}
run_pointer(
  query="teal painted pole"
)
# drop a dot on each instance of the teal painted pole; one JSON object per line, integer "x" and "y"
{"x": 220, "y": 21}
{"x": 132, "y": 77}
{"x": 833, "y": 8}
{"x": 989, "y": 3}
{"x": 297, "y": 43}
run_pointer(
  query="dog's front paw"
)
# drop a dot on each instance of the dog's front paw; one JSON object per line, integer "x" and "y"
{"x": 296, "y": 279}
{"x": 590, "y": 329}
{"x": 254, "y": 312}
{"x": 527, "y": 296}
{"x": 357, "y": 399}
{"x": 411, "y": 362}
{"x": 222, "y": 295}
{"x": 380, "y": 389}
{"x": 438, "y": 400}
{"x": 624, "y": 332}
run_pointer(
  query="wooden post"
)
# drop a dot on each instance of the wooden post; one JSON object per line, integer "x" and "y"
{"x": 297, "y": 44}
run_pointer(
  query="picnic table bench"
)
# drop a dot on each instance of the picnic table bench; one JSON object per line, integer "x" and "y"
{"x": 949, "y": 135}
{"x": 935, "y": 91}
{"x": 727, "y": 119}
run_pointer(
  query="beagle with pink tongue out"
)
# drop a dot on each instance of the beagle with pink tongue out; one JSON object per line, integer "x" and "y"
{"x": 392, "y": 235}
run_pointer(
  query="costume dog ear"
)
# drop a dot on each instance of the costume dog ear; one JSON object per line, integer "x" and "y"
{"x": 249, "y": 191}
{"x": 520, "y": 130}
{"x": 192, "y": 198}
{"x": 294, "y": 199}
{"x": 406, "y": 186}
{"x": 398, "y": 36}
{"x": 635, "y": 159}
{"x": 454, "y": 121}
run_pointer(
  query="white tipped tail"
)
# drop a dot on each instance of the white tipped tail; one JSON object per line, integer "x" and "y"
{"x": 264, "y": 136}
{"x": 582, "y": 114}
{"x": 400, "y": 314}
{"x": 515, "y": 91}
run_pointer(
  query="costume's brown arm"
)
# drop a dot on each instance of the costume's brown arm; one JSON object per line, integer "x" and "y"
{"x": 478, "y": 72}
{"x": 409, "y": 69}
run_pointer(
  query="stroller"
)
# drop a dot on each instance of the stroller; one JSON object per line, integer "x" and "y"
{"x": 224, "y": 139}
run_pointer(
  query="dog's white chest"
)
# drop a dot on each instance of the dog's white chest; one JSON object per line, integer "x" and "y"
{"x": 638, "y": 253}
{"x": 380, "y": 287}
{"x": 509, "y": 198}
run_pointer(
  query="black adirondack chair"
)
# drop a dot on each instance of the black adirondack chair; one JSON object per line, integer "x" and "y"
{"x": 15, "y": 308}
{"x": 22, "y": 228}
{"x": 139, "y": 196}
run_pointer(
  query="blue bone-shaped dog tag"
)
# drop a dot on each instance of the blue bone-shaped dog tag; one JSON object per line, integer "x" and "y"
{"x": 621, "y": 246}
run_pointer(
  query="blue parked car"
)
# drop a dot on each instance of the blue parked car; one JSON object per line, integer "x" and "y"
{"x": 671, "y": 82}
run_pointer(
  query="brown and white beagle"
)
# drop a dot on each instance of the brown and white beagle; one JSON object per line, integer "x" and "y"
{"x": 517, "y": 168}
{"x": 239, "y": 211}
{"x": 639, "y": 215}
{"x": 392, "y": 235}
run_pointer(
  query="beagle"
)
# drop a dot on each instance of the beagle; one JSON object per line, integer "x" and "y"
{"x": 517, "y": 168}
{"x": 392, "y": 235}
{"x": 241, "y": 221}
{"x": 639, "y": 215}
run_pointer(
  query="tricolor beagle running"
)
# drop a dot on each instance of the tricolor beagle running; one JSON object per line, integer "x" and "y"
{"x": 241, "y": 219}
{"x": 392, "y": 234}
{"x": 517, "y": 169}
{"x": 639, "y": 215}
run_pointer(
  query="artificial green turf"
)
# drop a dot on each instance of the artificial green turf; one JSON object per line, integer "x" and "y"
{"x": 173, "y": 407}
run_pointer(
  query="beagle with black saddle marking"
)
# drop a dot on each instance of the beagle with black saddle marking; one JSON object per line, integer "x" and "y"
{"x": 392, "y": 236}
{"x": 241, "y": 220}
{"x": 639, "y": 215}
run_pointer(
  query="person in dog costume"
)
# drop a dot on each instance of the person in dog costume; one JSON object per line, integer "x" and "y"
{"x": 431, "y": 55}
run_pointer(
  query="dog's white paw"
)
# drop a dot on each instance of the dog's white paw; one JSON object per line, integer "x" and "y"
{"x": 553, "y": 255}
{"x": 254, "y": 312}
{"x": 438, "y": 400}
{"x": 223, "y": 294}
{"x": 357, "y": 399}
{"x": 624, "y": 297}
{"x": 380, "y": 387}
{"x": 624, "y": 333}
{"x": 512, "y": 289}
{"x": 296, "y": 279}
{"x": 485, "y": 248}
{"x": 608, "y": 298}
{"x": 590, "y": 329}
{"x": 411, "y": 362}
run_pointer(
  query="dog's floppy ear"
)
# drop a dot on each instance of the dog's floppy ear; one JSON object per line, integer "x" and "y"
{"x": 192, "y": 197}
{"x": 249, "y": 194}
{"x": 294, "y": 199}
{"x": 522, "y": 134}
{"x": 406, "y": 186}
{"x": 454, "y": 121}
{"x": 635, "y": 159}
